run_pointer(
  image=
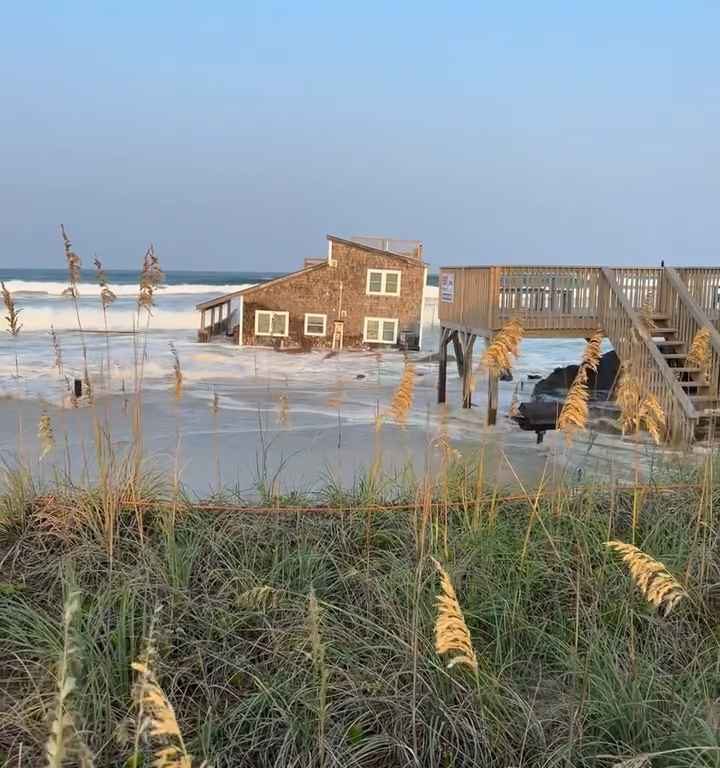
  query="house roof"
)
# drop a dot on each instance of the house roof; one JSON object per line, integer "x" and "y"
{"x": 333, "y": 239}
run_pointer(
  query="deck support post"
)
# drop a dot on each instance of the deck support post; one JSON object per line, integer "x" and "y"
{"x": 442, "y": 368}
{"x": 492, "y": 406}
{"x": 458, "y": 349}
{"x": 468, "y": 342}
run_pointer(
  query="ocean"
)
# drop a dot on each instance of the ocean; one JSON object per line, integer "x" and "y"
{"x": 27, "y": 362}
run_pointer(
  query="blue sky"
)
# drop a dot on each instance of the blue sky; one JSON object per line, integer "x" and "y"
{"x": 236, "y": 135}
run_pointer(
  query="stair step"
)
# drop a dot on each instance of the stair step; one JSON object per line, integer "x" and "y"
{"x": 669, "y": 342}
{"x": 659, "y": 316}
{"x": 693, "y": 384}
{"x": 674, "y": 356}
{"x": 687, "y": 370}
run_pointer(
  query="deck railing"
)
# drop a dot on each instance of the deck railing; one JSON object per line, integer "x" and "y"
{"x": 686, "y": 315}
{"x": 703, "y": 284}
{"x": 632, "y": 341}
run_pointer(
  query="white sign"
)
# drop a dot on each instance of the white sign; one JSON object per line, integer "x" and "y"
{"x": 447, "y": 287}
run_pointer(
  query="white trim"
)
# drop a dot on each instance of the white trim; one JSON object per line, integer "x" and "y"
{"x": 272, "y": 312}
{"x": 422, "y": 308}
{"x": 383, "y": 281}
{"x": 242, "y": 320}
{"x": 381, "y": 320}
{"x": 324, "y": 322}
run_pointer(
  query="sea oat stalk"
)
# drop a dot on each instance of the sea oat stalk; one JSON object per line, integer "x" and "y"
{"x": 656, "y": 584}
{"x": 452, "y": 635}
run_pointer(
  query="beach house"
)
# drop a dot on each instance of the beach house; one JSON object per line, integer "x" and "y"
{"x": 367, "y": 292}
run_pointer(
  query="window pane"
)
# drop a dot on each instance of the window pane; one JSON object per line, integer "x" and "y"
{"x": 373, "y": 330}
{"x": 375, "y": 285}
{"x": 278, "y": 324}
{"x": 388, "y": 330}
{"x": 315, "y": 324}
{"x": 263, "y": 322}
{"x": 391, "y": 282}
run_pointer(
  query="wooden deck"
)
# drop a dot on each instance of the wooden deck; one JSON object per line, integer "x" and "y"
{"x": 571, "y": 302}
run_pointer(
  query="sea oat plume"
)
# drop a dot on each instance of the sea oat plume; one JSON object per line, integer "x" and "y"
{"x": 629, "y": 397}
{"x": 700, "y": 353}
{"x": 652, "y": 416}
{"x": 593, "y": 351}
{"x": 151, "y": 278}
{"x": 156, "y": 716}
{"x": 284, "y": 410}
{"x": 73, "y": 264}
{"x": 46, "y": 435}
{"x": 500, "y": 353}
{"x": 656, "y": 584}
{"x": 452, "y": 635}
{"x": 13, "y": 313}
{"x": 107, "y": 297}
{"x": 647, "y": 309}
{"x": 215, "y": 404}
{"x": 403, "y": 397}
{"x": 574, "y": 413}
{"x": 57, "y": 350}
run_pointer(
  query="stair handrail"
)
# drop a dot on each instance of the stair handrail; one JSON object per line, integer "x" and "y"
{"x": 663, "y": 368}
{"x": 694, "y": 308}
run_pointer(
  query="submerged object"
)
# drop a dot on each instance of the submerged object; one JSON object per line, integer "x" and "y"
{"x": 538, "y": 416}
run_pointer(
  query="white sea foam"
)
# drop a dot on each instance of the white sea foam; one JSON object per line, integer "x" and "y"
{"x": 61, "y": 316}
{"x": 41, "y": 288}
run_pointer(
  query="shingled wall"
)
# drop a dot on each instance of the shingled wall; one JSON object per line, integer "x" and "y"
{"x": 317, "y": 290}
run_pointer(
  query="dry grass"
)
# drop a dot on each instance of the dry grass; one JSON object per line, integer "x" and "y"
{"x": 151, "y": 278}
{"x": 639, "y": 409}
{"x": 403, "y": 397}
{"x": 647, "y": 309}
{"x": 57, "y": 352}
{"x": 74, "y": 265}
{"x": 656, "y": 584}
{"x": 504, "y": 348}
{"x": 574, "y": 414}
{"x": 283, "y": 410}
{"x": 107, "y": 297}
{"x": 700, "y": 353}
{"x": 13, "y": 313}
{"x": 156, "y": 720}
{"x": 46, "y": 435}
{"x": 452, "y": 635}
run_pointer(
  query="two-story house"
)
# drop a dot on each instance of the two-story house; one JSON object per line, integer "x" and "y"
{"x": 367, "y": 292}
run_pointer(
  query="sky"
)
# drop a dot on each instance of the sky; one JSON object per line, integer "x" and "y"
{"x": 236, "y": 135}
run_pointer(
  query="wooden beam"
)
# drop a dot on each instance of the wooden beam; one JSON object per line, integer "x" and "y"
{"x": 458, "y": 348}
{"x": 442, "y": 368}
{"x": 492, "y": 406}
{"x": 468, "y": 345}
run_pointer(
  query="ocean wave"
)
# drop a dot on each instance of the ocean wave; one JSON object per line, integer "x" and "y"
{"x": 42, "y": 288}
{"x": 62, "y": 317}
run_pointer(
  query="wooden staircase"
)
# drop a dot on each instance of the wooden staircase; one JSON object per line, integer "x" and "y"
{"x": 659, "y": 344}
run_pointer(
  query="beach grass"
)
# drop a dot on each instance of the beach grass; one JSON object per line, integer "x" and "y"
{"x": 309, "y": 638}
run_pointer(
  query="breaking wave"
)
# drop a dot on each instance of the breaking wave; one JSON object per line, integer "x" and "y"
{"x": 42, "y": 288}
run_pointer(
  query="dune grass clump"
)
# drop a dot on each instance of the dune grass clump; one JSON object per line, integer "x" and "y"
{"x": 177, "y": 372}
{"x": 313, "y": 637}
{"x": 639, "y": 409}
{"x": 46, "y": 435}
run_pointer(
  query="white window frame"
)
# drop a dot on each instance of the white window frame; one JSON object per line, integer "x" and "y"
{"x": 383, "y": 279}
{"x": 381, "y": 320}
{"x": 324, "y": 321}
{"x": 272, "y": 312}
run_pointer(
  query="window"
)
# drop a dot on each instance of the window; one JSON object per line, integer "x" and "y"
{"x": 381, "y": 330}
{"x": 383, "y": 282}
{"x": 315, "y": 325}
{"x": 269, "y": 323}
